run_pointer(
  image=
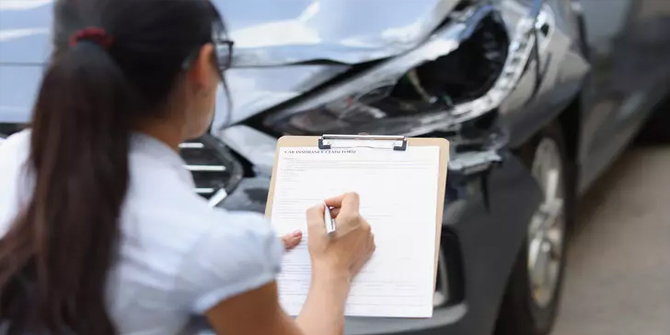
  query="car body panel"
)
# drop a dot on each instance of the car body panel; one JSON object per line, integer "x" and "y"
{"x": 303, "y": 30}
{"x": 283, "y": 33}
{"x": 25, "y": 31}
{"x": 629, "y": 45}
{"x": 255, "y": 89}
{"x": 18, "y": 89}
{"x": 554, "y": 77}
{"x": 287, "y": 33}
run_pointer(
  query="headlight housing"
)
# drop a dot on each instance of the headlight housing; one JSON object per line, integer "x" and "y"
{"x": 466, "y": 69}
{"x": 375, "y": 110}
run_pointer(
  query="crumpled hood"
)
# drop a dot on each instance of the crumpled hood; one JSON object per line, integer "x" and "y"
{"x": 266, "y": 33}
{"x": 344, "y": 31}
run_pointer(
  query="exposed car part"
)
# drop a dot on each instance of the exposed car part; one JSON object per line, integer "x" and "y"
{"x": 410, "y": 95}
{"x": 475, "y": 161}
{"x": 533, "y": 292}
{"x": 215, "y": 170}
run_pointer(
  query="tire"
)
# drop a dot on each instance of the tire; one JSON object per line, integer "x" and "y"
{"x": 525, "y": 311}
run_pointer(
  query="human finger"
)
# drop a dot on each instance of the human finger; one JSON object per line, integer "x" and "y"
{"x": 292, "y": 240}
{"x": 335, "y": 202}
{"x": 334, "y": 212}
{"x": 351, "y": 202}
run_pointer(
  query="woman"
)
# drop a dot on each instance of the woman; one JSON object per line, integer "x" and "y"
{"x": 101, "y": 230}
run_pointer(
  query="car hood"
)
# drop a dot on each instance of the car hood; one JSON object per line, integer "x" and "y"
{"x": 281, "y": 32}
{"x": 270, "y": 45}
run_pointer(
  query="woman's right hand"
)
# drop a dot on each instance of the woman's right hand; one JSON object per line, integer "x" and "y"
{"x": 336, "y": 259}
{"x": 346, "y": 251}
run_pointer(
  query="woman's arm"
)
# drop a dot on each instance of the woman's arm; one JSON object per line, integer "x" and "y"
{"x": 335, "y": 261}
{"x": 323, "y": 312}
{"x": 259, "y": 312}
{"x": 253, "y": 312}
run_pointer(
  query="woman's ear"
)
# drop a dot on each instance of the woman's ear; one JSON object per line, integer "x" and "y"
{"x": 200, "y": 74}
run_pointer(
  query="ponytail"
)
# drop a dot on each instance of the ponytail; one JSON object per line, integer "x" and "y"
{"x": 55, "y": 259}
{"x": 103, "y": 80}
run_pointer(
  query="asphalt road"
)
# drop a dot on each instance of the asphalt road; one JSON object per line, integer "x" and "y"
{"x": 618, "y": 280}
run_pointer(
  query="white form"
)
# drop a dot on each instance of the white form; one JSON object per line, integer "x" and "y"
{"x": 398, "y": 193}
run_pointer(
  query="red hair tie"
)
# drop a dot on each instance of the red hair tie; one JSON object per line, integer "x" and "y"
{"x": 96, "y": 35}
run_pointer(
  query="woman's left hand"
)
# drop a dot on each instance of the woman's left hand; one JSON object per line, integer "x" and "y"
{"x": 292, "y": 240}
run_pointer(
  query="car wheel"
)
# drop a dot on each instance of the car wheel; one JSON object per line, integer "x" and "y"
{"x": 533, "y": 292}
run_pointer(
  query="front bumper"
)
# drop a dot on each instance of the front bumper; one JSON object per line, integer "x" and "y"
{"x": 486, "y": 215}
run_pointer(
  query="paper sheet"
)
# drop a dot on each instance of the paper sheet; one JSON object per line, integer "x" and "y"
{"x": 398, "y": 191}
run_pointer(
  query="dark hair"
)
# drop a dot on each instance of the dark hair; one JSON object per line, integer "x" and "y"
{"x": 55, "y": 258}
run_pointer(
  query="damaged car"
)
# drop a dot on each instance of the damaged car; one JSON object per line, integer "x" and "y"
{"x": 536, "y": 97}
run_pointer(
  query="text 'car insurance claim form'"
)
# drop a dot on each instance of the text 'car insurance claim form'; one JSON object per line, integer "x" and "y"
{"x": 398, "y": 194}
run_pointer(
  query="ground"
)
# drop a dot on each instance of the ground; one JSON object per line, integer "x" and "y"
{"x": 618, "y": 280}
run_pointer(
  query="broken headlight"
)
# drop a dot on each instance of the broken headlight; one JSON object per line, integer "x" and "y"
{"x": 375, "y": 110}
{"x": 412, "y": 94}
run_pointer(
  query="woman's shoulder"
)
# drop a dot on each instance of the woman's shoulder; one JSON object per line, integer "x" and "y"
{"x": 241, "y": 253}
{"x": 14, "y": 152}
{"x": 216, "y": 254}
{"x": 15, "y": 144}
{"x": 176, "y": 218}
{"x": 209, "y": 254}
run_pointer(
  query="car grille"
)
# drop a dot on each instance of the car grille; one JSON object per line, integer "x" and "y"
{"x": 215, "y": 170}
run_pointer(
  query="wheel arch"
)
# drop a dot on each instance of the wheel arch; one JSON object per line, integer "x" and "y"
{"x": 570, "y": 120}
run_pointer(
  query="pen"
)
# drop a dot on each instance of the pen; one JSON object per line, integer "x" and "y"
{"x": 328, "y": 218}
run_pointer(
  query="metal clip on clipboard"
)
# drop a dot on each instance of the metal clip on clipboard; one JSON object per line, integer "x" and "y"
{"x": 397, "y": 143}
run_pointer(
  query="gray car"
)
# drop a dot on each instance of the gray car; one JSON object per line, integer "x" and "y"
{"x": 536, "y": 97}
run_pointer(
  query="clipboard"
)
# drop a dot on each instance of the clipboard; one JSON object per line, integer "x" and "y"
{"x": 376, "y": 142}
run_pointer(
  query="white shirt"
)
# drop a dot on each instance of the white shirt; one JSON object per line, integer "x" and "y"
{"x": 178, "y": 256}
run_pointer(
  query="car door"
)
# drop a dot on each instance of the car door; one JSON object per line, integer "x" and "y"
{"x": 629, "y": 50}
